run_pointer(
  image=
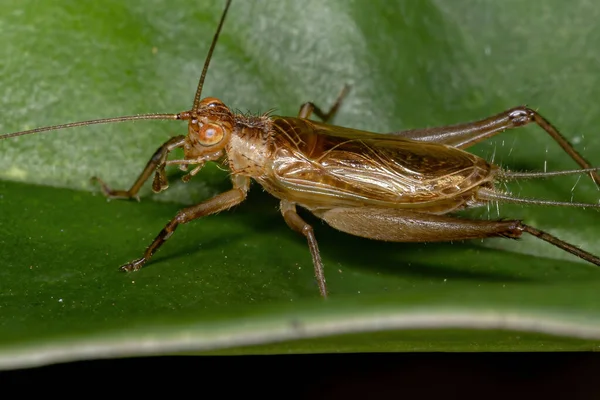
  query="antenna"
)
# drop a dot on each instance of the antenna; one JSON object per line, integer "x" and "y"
{"x": 92, "y": 122}
{"x": 208, "y": 57}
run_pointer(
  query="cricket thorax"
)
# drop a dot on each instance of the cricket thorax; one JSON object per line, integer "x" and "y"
{"x": 250, "y": 148}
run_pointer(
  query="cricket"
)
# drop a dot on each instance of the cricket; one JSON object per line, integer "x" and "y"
{"x": 399, "y": 187}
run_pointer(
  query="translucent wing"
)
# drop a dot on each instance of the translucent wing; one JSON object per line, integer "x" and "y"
{"x": 328, "y": 166}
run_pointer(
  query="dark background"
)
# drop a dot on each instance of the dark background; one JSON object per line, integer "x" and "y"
{"x": 520, "y": 375}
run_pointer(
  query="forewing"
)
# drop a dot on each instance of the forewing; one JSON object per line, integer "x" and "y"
{"x": 362, "y": 168}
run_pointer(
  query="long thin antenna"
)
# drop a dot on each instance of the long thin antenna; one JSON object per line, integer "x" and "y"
{"x": 208, "y": 57}
{"x": 92, "y": 122}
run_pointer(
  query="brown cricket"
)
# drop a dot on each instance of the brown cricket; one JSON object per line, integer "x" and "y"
{"x": 397, "y": 187}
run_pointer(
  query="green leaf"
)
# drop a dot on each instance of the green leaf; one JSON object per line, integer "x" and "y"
{"x": 242, "y": 282}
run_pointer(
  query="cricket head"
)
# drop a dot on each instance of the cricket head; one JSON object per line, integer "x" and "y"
{"x": 209, "y": 130}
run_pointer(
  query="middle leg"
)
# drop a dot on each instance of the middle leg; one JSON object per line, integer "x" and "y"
{"x": 294, "y": 221}
{"x": 214, "y": 205}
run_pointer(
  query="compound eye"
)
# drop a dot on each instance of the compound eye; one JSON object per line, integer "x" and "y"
{"x": 210, "y": 134}
{"x": 210, "y": 102}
